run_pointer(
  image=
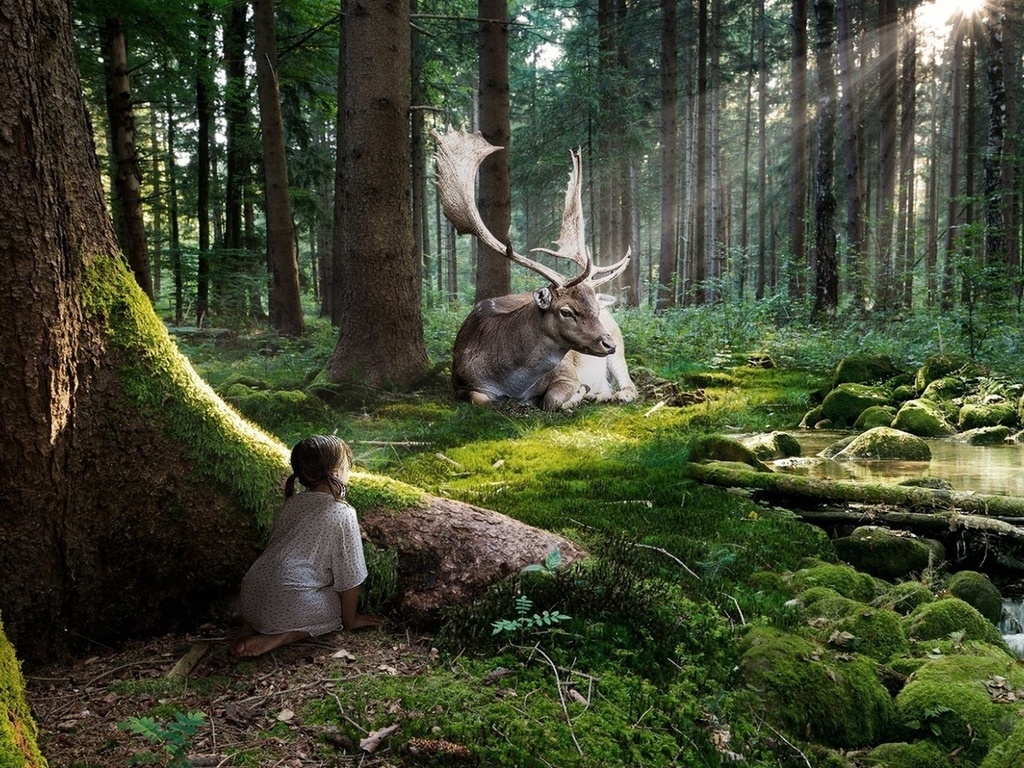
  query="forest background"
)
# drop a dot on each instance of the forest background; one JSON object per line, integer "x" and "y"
{"x": 846, "y": 157}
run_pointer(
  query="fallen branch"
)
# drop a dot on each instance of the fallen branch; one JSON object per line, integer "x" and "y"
{"x": 794, "y": 489}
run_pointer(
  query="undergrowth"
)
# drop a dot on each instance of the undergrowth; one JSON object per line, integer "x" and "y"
{"x": 637, "y": 668}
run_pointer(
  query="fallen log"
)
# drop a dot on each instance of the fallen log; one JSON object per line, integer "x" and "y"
{"x": 795, "y": 489}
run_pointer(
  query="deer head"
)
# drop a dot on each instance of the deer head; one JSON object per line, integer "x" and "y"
{"x": 458, "y": 157}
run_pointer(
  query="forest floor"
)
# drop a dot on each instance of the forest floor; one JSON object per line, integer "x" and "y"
{"x": 253, "y": 708}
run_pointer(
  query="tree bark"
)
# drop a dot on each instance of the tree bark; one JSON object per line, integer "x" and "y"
{"x": 826, "y": 268}
{"x": 127, "y": 174}
{"x": 205, "y": 118}
{"x": 995, "y": 222}
{"x": 493, "y": 270}
{"x": 888, "y": 106}
{"x": 667, "y": 259}
{"x": 285, "y": 304}
{"x": 381, "y": 339}
{"x": 851, "y": 129}
{"x": 798, "y": 151}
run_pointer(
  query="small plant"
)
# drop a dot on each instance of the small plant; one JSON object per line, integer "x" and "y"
{"x": 173, "y": 737}
{"x": 524, "y": 621}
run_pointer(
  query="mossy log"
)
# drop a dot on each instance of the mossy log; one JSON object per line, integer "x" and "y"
{"x": 805, "y": 490}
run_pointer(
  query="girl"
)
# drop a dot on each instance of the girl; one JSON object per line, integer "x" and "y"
{"x": 306, "y": 582}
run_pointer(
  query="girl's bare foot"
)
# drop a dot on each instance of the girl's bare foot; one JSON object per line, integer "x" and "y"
{"x": 254, "y": 644}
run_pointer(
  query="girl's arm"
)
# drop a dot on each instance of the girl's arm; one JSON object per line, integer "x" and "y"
{"x": 350, "y": 615}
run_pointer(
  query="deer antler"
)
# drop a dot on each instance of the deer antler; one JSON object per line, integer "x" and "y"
{"x": 458, "y": 157}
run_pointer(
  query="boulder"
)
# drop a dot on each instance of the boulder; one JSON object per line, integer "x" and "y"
{"x": 889, "y": 554}
{"x": 966, "y": 701}
{"x": 976, "y": 415}
{"x": 864, "y": 368}
{"x": 875, "y": 416}
{"x": 940, "y": 619}
{"x": 975, "y": 589}
{"x": 721, "y": 448}
{"x": 922, "y": 418}
{"x": 850, "y": 625}
{"x": 946, "y": 388}
{"x": 886, "y": 444}
{"x": 943, "y": 364}
{"x": 842, "y": 579}
{"x": 901, "y": 754}
{"x": 904, "y": 597}
{"x": 803, "y": 689}
{"x": 1009, "y": 754}
{"x": 985, "y": 436}
{"x": 773, "y": 445}
{"x": 846, "y": 402}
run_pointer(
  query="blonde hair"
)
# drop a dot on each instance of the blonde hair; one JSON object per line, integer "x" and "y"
{"x": 315, "y": 460}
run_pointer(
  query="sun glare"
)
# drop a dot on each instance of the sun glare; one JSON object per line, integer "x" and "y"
{"x": 938, "y": 14}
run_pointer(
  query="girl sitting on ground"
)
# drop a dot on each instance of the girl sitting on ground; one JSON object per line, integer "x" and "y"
{"x": 306, "y": 582}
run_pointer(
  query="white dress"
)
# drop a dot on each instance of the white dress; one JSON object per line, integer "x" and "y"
{"x": 315, "y": 553}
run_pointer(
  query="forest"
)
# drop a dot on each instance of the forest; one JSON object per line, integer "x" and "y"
{"x": 225, "y": 227}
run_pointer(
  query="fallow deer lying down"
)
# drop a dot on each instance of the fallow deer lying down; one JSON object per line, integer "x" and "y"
{"x": 518, "y": 347}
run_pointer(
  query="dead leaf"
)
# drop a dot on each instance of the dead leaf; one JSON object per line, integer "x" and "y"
{"x": 388, "y": 668}
{"x": 373, "y": 741}
{"x": 285, "y": 715}
{"x": 343, "y": 654}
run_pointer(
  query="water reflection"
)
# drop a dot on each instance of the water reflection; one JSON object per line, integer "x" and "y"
{"x": 989, "y": 469}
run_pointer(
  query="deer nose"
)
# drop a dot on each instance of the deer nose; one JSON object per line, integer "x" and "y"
{"x": 606, "y": 345}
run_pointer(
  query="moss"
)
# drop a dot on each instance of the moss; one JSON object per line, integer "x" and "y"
{"x": 864, "y": 368}
{"x": 922, "y": 418}
{"x": 273, "y": 408}
{"x": 889, "y": 554}
{"x": 836, "y": 701}
{"x": 905, "y": 597}
{"x": 949, "y": 616}
{"x": 959, "y": 700}
{"x": 920, "y": 754}
{"x": 773, "y": 445}
{"x": 231, "y": 453}
{"x": 985, "y": 436}
{"x": 943, "y": 390}
{"x": 975, "y": 415}
{"x": 854, "y": 626}
{"x": 721, "y": 448}
{"x": 844, "y": 404}
{"x": 842, "y": 578}
{"x": 975, "y": 589}
{"x": 943, "y": 364}
{"x": 1010, "y": 753}
{"x": 18, "y": 733}
{"x": 875, "y": 416}
{"x": 886, "y": 444}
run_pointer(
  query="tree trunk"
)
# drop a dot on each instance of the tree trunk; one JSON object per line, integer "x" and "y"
{"x": 381, "y": 340}
{"x": 953, "y": 189}
{"x": 130, "y": 492}
{"x": 798, "y": 151}
{"x": 205, "y": 120}
{"x": 905, "y": 221}
{"x": 698, "y": 284}
{"x": 420, "y": 217}
{"x": 668, "y": 132}
{"x": 995, "y": 223}
{"x": 851, "y": 129}
{"x": 931, "y": 235}
{"x": 493, "y": 270}
{"x": 762, "y": 152}
{"x": 887, "y": 115}
{"x": 285, "y": 304}
{"x": 127, "y": 174}
{"x": 335, "y": 267}
{"x": 826, "y": 268}
{"x": 228, "y": 291}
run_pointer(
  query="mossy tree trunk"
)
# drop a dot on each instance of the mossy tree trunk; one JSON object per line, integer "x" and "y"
{"x": 129, "y": 494}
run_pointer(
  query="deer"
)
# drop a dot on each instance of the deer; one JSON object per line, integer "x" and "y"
{"x": 526, "y": 347}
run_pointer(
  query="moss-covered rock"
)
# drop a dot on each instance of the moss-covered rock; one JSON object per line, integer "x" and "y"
{"x": 845, "y": 580}
{"x": 903, "y": 392}
{"x": 945, "y": 389}
{"x": 802, "y": 688}
{"x": 721, "y": 448}
{"x": 966, "y": 702}
{"x": 901, "y": 754}
{"x": 846, "y": 402}
{"x": 864, "y": 368}
{"x": 875, "y": 416}
{"x": 975, "y": 415}
{"x": 975, "y": 589}
{"x": 905, "y": 597}
{"x": 922, "y": 418}
{"x": 773, "y": 445}
{"x": 943, "y": 364}
{"x": 886, "y": 444}
{"x": 889, "y": 554}
{"x": 942, "y": 618}
{"x": 1008, "y": 754}
{"x": 812, "y": 418}
{"x": 18, "y": 732}
{"x": 851, "y": 625}
{"x": 985, "y": 436}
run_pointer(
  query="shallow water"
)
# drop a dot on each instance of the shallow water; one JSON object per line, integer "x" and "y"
{"x": 989, "y": 469}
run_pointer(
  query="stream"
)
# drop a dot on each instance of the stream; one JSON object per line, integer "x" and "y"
{"x": 987, "y": 469}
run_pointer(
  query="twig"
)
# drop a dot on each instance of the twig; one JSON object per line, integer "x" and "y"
{"x": 665, "y": 552}
{"x": 739, "y": 610}
{"x": 789, "y": 743}
{"x": 561, "y": 697}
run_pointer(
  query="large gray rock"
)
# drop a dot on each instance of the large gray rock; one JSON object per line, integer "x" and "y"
{"x": 887, "y": 444}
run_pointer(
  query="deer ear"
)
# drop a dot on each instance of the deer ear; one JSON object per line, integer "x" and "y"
{"x": 543, "y": 298}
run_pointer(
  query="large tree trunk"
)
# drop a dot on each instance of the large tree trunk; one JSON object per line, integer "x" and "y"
{"x": 130, "y": 493}
{"x": 826, "y": 268}
{"x": 887, "y": 122}
{"x": 126, "y": 171}
{"x": 493, "y": 270}
{"x": 953, "y": 188}
{"x": 851, "y": 129}
{"x": 282, "y": 259}
{"x": 995, "y": 222}
{"x": 667, "y": 261}
{"x": 381, "y": 340}
{"x": 798, "y": 151}
{"x": 698, "y": 274}
{"x": 205, "y": 120}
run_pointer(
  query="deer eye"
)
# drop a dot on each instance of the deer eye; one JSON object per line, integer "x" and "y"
{"x": 566, "y": 313}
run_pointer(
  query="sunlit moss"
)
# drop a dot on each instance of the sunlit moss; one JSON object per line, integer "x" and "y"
{"x": 18, "y": 732}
